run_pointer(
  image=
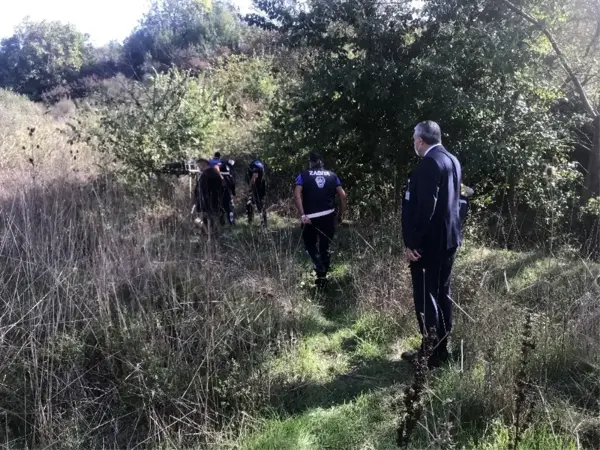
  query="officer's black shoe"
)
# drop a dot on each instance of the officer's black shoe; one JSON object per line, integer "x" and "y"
{"x": 438, "y": 359}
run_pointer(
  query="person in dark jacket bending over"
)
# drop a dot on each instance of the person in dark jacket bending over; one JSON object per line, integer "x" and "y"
{"x": 208, "y": 195}
{"x": 431, "y": 228}
{"x": 316, "y": 189}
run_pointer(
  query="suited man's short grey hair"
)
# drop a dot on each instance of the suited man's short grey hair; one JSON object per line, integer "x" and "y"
{"x": 430, "y": 132}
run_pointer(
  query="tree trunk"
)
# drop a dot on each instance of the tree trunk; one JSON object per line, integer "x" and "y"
{"x": 592, "y": 180}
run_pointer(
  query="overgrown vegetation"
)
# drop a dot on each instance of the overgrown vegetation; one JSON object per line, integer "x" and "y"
{"x": 121, "y": 326}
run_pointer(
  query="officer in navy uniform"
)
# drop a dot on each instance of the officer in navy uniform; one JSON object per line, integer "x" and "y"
{"x": 465, "y": 203}
{"x": 216, "y": 160}
{"x": 316, "y": 189}
{"x": 258, "y": 190}
{"x": 223, "y": 167}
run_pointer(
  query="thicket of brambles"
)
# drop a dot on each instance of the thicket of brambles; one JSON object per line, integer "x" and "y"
{"x": 122, "y": 327}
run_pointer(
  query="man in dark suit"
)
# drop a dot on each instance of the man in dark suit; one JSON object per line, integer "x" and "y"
{"x": 431, "y": 229}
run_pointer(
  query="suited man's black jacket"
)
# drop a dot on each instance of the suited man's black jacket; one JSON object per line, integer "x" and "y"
{"x": 431, "y": 209}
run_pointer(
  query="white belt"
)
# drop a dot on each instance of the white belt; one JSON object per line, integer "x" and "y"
{"x": 320, "y": 214}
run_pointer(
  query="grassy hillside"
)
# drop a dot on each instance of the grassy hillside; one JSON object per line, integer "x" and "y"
{"x": 122, "y": 327}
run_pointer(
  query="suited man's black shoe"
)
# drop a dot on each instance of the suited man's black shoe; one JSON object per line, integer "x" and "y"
{"x": 410, "y": 356}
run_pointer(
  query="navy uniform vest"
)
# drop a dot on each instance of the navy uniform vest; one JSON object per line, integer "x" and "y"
{"x": 319, "y": 188}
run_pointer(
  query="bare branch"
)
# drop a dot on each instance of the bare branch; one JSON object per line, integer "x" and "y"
{"x": 542, "y": 27}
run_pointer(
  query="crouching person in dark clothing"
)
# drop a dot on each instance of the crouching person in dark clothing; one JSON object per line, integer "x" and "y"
{"x": 208, "y": 195}
{"x": 314, "y": 196}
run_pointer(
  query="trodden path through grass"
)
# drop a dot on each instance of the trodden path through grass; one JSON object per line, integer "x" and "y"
{"x": 340, "y": 385}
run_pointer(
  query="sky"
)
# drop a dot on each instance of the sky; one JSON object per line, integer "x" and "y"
{"x": 103, "y": 20}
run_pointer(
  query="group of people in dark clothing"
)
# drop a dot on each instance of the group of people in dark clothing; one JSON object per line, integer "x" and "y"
{"x": 216, "y": 190}
{"x": 433, "y": 212}
{"x": 315, "y": 193}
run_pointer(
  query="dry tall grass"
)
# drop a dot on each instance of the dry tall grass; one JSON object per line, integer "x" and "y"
{"x": 116, "y": 328}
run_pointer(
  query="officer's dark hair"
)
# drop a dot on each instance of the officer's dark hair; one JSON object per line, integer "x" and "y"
{"x": 217, "y": 154}
{"x": 315, "y": 157}
{"x": 429, "y": 131}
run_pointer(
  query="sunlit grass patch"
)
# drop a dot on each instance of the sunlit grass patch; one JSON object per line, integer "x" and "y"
{"x": 316, "y": 358}
{"x": 539, "y": 437}
{"x": 366, "y": 423}
{"x": 322, "y": 356}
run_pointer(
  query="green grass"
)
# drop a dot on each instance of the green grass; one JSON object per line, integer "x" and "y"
{"x": 340, "y": 386}
{"x": 536, "y": 438}
{"x": 322, "y": 356}
{"x": 316, "y": 358}
{"x": 369, "y": 422}
{"x": 365, "y": 423}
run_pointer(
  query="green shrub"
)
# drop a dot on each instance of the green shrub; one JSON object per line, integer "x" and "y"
{"x": 169, "y": 117}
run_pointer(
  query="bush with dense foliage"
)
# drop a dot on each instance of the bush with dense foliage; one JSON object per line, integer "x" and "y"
{"x": 374, "y": 70}
{"x": 168, "y": 117}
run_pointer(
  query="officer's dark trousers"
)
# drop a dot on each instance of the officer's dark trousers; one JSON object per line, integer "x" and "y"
{"x": 431, "y": 290}
{"x": 227, "y": 205}
{"x": 317, "y": 239}
{"x": 257, "y": 197}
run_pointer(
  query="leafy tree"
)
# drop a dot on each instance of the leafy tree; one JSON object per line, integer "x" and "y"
{"x": 592, "y": 182}
{"x": 375, "y": 69}
{"x": 174, "y": 32}
{"x": 104, "y": 62}
{"x": 40, "y": 56}
{"x": 247, "y": 84}
{"x": 169, "y": 117}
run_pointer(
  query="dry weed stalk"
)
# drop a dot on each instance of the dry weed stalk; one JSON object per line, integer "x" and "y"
{"x": 524, "y": 403}
{"x": 115, "y": 329}
{"x": 413, "y": 394}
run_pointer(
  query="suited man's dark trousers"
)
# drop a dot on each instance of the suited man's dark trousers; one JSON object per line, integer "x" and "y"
{"x": 431, "y": 291}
